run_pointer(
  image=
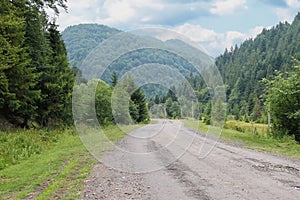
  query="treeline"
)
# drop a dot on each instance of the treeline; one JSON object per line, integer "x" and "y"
{"x": 243, "y": 68}
{"x": 36, "y": 79}
{"x": 81, "y": 39}
{"x": 139, "y": 57}
{"x": 189, "y": 98}
{"x": 261, "y": 83}
{"x": 121, "y": 103}
{"x": 166, "y": 105}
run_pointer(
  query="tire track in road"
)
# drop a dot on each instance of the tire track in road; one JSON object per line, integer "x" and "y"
{"x": 169, "y": 167}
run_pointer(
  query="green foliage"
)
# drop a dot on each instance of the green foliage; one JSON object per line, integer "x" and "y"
{"x": 245, "y": 127}
{"x": 81, "y": 39}
{"x": 17, "y": 86}
{"x": 60, "y": 167}
{"x": 157, "y": 111}
{"x": 123, "y": 104}
{"x": 139, "y": 57}
{"x": 173, "y": 109}
{"x": 103, "y": 103}
{"x": 168, "y": 106}
{"x": 218, "y": 112}
{"x": 243, "y": 67}
{"x": 114, "y": 79}
{"x": 283, "y": 98}
{"x": 79, "y": 76}
{"x": 138, "y": 108}
{"x": 207, "y": 113}
{"x": 252, "y": 136}
{"x": 36, "y": 79}
{"x": 21, "y": 144}
{"x": 139, "y": 99}
{"x": 84, "y": 105}
{"x": 56, "y": 82}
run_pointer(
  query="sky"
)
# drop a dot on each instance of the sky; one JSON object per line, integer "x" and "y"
{"x": 214, "y": 24}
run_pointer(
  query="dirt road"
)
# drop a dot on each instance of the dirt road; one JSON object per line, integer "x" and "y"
{"x": 164, "y": 161}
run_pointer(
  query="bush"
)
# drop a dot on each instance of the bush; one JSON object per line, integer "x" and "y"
{"x": 283, "y": 100}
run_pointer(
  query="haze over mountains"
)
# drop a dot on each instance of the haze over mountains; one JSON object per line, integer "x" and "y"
{"x": 242, "y": 67}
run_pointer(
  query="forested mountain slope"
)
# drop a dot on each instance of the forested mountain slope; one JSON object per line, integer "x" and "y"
{"x": 81, "y": 39}
{"x": 243, "y": 67}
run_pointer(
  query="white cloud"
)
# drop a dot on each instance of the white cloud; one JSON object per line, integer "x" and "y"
{"x": 121, "y": 11}
{"x": 293, "y": 3}
{"x": 118, "y": 11}
{"x": 82, "y": 4}
{"x": 196, "y": 32}
{"x": 215, "y": 43}
{"x": 221, "y": 7}
{"x": 256, "y": 30}
{"x": 288, "y": 14}
{"x": 132, "y": 13}
{"x": 129, "y": 14}
{"x": 79, "y": 11}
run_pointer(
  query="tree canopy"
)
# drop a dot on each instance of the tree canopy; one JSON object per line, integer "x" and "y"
{"x": 283, "y": 100}
{"x": 243, "y": 67}
{"x": 36, "y": 79}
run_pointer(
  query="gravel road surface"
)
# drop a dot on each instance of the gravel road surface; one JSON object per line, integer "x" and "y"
{"x": 163, "y": 161}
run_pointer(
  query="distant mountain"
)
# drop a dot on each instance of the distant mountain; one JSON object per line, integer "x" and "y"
{"x": 81, "y": 39}
{"x": 242, "y": 68}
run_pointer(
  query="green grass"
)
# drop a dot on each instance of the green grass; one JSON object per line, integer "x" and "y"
{"x": 58, "y": 170}
{"x": 252, "y": 136}
{"x": 21, "y": 144}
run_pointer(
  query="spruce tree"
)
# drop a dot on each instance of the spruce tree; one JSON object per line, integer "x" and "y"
{"x": 114, "y": 79}
{"x": 59, "y": 79}
{"x": 17, "y": 88}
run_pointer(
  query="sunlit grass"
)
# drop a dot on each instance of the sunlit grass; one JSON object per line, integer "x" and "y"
{"x": 57, "y": 170}
{"x": 252, "y": 136}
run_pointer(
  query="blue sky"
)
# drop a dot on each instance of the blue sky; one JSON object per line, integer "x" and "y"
{"x": 215, "y": 24}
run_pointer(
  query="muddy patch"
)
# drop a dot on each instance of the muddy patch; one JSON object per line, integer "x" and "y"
{"x": 269, "y": 167}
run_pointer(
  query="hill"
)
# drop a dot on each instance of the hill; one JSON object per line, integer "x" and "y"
{"x": 81, "y": 39}
{"x": 243, "y": 67}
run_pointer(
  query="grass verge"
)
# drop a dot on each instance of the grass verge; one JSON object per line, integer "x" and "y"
{"x": 252, "y": 136}
{"x": 57, "y": 172}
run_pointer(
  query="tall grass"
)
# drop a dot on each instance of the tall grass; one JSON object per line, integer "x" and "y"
{"x": 47, "y": 164}
{"x": 244, "y": 127}
{"x": 20, "y": 144}
{"x": 252, "y": 136}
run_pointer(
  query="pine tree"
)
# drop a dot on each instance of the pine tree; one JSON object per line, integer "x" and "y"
{"x": 18, "y": 94}
{"x": 172, "y": 93}
{"x": 140, "y": 101}
{"x": 114, "y": 79}
{"x": 56, "y": 81}
{"x": 168, "y": 106}
{"x": 138, "y": 107}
